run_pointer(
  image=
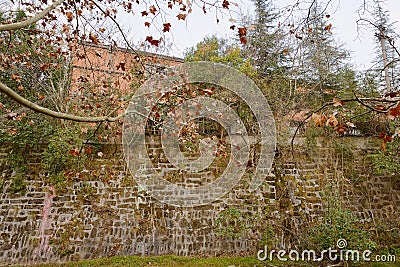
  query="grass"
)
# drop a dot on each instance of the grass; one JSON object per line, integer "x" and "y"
{"x": 178, "y": 261}
{"x": 168, "y": 261}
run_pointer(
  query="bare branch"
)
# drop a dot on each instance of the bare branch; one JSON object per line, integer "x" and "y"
{"x": 30, "y": 21}
{"x": 59, "y": 115}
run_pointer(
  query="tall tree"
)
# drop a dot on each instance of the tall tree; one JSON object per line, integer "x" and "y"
{"x": 318, "y": 62}
{"x": 265, "y": 43}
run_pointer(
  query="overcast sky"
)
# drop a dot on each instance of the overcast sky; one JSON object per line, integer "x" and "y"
{"x": 343, "y": 17}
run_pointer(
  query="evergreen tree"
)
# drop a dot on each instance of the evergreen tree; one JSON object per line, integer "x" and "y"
{"x": 318, "y": 62}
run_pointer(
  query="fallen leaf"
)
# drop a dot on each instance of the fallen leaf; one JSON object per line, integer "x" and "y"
{"x": 338, "y": 102}
{"x": 12, "y": 131}
{"x": 394, "y": 112}
{"x": 380, "y": 107}
{"x": 341, "y": 129}
{"x": 74, "y": 152}
{"x": 88, "y": 150}
{"x": 319, "y": 119}
{"x": 332, "y": 121}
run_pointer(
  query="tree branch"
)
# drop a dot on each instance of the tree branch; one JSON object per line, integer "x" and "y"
{"x": 30, "y": 21}
{"x": 59, "y": 115}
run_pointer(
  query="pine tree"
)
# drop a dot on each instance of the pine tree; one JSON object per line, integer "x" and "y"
{"x": 318, "y": 61}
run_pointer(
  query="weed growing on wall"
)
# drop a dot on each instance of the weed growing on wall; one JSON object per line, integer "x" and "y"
{"x": 231, "y": 223}
{"x": 338, "y": 223}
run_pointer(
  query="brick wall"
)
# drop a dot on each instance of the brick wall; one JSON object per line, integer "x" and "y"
{"x": 108, "y": 214}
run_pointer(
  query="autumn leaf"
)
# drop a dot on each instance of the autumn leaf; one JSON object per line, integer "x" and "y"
{"x": 181, "y": 16}
{"x": 74, "y": 152}
{"x": 381, "y": 135}
{"x": 93, "y": 38}
{"x": 338, "y": 102}
{"x": 385, "y": 139}
{"x": 225, "y": 4}
{"x": 341, "y": 129}
{"x": 242, "y": 31}
{"x": 16, "y": 77}
{"x": 12, "y": 131}
{"x": 147, "y": 24}
{"x": 319, "y": 119}
{"x": 88, "y": 150}
{"x": 69, "y": 15}
{"x": 40, "y": 96}
{"x": 380, "y": 107}
{"x": 332, "y": 121}
{"x": 328, "y": 27}
{"x": 242, "y": 35}
{"x": 383, "y": 146}
{"x": 152, "y": 41}
{"x": 232, "y": 27}
{"x": 166, "y": 27}
{"x": 65, "y": 28}
{"x": 144, "y": 13}
{"x": 327, "y": 16}
{"x": 394, "y": 112}
{"x": 170, "y": 5}
{"x": 20, "y": 88}
{"x": 153, "y": 10}
{"x": 102, "y": 30}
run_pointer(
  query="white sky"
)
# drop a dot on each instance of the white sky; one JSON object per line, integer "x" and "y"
{"x": 343, "y": 17}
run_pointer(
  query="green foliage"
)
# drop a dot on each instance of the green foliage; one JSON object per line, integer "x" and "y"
{"x": 231, "y": 223}
{"x": 339, "y": 223}
{"x": 62, "y": 154}
{"x": 269, "y": 238}
{"x": 21, "y": 139}
{"x": 386, "y": 163}
{"x": 217, "y": 50}
{"x": 41, "y": 141}
{"x": 18, "y": 184}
